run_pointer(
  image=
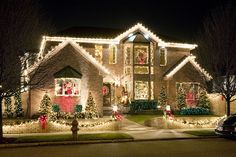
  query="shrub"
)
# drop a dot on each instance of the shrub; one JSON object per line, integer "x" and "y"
{"x": 78, "y": 108}
{"x": 55, "y": 108}
{"x": 195, "y": 111}
{"x": 140, "y": 105}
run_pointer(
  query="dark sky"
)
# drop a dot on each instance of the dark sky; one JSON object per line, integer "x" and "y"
{"x": 176, "y": 18}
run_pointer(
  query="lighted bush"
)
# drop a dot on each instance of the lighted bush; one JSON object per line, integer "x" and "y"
{"x": 140, "y": 105}
{"x": 55, "y": 108}
{"x": 78, "y": 108}
{"x": 195, "y": 111}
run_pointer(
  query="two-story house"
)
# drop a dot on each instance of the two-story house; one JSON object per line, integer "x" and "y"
{"x": 113, "y": 65}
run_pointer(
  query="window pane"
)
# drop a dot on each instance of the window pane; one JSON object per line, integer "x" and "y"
{"x": 163, "y": 59}
{"x": 141, "y": 55}
{"x": 141, "y": 70}
{"x": 141, "y": 90}
{"x": 98, "y": 53}
{"x": 113, "y": 55}
{"x": 67, "y": 87}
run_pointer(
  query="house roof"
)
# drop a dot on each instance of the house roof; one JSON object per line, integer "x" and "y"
{"x": 181, "y": 63}
{"x": 107, "y": 33}
{"x": 78, "y": 48}
{"x": 67, "y": 72}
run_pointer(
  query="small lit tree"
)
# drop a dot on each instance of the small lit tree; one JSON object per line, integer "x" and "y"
{"x": 162, "y": 97}
{"x": 45, "y": 105}
{"x": 18, "y": 109}
{"x": 8, "y": 107}
{"x": 91, "y": 109}
{"x": 181, "y": 98}
{"x": 203, "y": 100}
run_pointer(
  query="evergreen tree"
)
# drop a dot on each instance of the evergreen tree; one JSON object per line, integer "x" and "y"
{"x": 45, "y": 105}
{"x": 203, "y": 100}
{"x": 181, "y": 98}
{"x": 18, "y": 109}
{"x": 8, "y": 107}
{"x": 162, "y": 97}
{"x": 91, "y": 109}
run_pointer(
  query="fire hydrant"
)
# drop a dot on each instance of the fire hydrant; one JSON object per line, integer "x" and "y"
{"x": 74, "y": 129}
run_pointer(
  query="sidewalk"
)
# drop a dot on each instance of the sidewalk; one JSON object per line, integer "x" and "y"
{"x": 137, "y": 131}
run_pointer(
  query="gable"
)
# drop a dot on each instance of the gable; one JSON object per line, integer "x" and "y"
{"x": 181, "y": 63}
{"x": 78, "y": 49}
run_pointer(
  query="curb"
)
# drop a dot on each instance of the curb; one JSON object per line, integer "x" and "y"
{"x": 97, "y": 142}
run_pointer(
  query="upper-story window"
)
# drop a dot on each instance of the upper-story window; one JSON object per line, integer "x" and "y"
{"x": 141, "y": 55}
{"x": 98, "y": 53}
{"x": 163, "y": 56}
{"x": 113, "y": 54}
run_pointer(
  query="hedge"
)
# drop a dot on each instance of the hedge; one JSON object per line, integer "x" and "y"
{"x": 195, "y": 111}
{"x": 139, "y": 105}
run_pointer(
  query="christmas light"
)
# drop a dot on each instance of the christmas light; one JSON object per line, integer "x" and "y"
{"x": 190, "y": 59}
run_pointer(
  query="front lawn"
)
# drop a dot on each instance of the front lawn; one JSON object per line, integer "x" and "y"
{"x": 68, "y": 137}
{"x": 201, "y": 132}
{"x": 141, "y": 118}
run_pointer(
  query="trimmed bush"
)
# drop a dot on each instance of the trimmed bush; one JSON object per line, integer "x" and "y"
{"x": 78, "y": 108}
{"x": 55, "y": 108}
{"x": 195, "y": 111}
{"x": 140, "y": 105}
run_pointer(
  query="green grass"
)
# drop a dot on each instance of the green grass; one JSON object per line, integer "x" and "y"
{"x": 68, "y": 137}
{"x": 141, "y": 118}
{"x": 201, "y": 132}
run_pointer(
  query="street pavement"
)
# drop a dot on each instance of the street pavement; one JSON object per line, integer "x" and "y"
{"x": 216, "y": 147}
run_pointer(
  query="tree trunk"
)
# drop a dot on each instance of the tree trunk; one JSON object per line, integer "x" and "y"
{"x": 28, "y": 110}
{"x": 1, "y": 124}
{"x": 228, "y": 107}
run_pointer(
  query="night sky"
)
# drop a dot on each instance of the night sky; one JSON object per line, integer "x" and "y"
{"x": 177, "y": 18}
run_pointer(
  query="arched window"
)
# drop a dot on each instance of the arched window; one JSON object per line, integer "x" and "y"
{"x": 113, "y": 54}
{"x": 163, "y": 56}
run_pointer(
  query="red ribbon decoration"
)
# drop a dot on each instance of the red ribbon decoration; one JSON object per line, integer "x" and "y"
{"x": 43, "y": 120}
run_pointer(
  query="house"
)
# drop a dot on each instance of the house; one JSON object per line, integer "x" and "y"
{"x": 133, "y": 64}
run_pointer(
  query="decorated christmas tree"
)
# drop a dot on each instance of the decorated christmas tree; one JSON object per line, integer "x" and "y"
{"x": 8, "y": 107}
{"x": 181, "y": 98}
{"x": 18, "y": 110}
{"x": 91, "y": 109}
{"x": 203, "y": 100}
{"x": 45, "y": 105}
{"x": 162, "y": 97}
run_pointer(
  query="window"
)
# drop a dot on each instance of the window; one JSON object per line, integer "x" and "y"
{"x": 141, "y": 55}
{"x": 163, "y": 57}
{"x": 141, "y": 90}
{"x": 141, "y": 70}
{"x": 98, "y": 53}
{"x": 113, "y": 54}
{"x": 190, "y": 90}
{"x": 67, "y": 87}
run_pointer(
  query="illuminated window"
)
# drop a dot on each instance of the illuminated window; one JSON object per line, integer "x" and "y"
{"x": 98, "y": 53}
{"x": 113, "y": 54}
{"x": 141, "y": 90}
{"x": 141, "y": 70}
{"x": 141, "y": 54}
{"x": 67, "y": 87}
{"x": 128, "y": 70}
{"x": 163, "y": 57}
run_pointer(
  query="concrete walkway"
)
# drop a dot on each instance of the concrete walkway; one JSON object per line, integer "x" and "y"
{"x": 143, "y": 132}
